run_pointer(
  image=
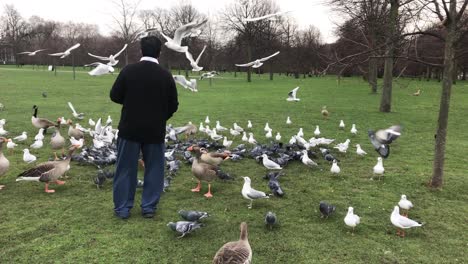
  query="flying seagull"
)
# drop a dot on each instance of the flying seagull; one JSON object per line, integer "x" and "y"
{"x": 189, "y": 29}
{"x": 112, "y": 58}
{"x": 31, "y": 53}
{"x": 65, "y": 53}
{"x": 265, "y": 16}
{"x": 292, "y": 95}
{"x": 259, "y": 62}
{"x": 194, "y": 63}
{"x": 191, "y": 85}
{"x": 75, "y": 114}
{"x": 208, "y": 75}
{"x": 100, "y": 69}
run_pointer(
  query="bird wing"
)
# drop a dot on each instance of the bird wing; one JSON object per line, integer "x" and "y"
{"x": 25, "y": 52}
{"x": 57, "y": 54}
{"x": 406, "y": 222}
{"x": 292, "y": 93}
{"x": 264, "y": 17}
{"x": 189, "y": 56}
{"x": 100, "y": 70}
{"x": 269, "y": 57}
{"x": 166, "y": 37}
{"x": 71, "y": 107}
{"x": 181, "y": 80}
{"x": 246, "y": 64}
{"x": 254, "y": 194}
{"x": 39, "y": 170}
{"x": 73, "y": 47}
{"x": 39, "y": 50}
{"x": 186, "y": 30}
{"x": 199, "y": 55}
{"x": 95, "y": 64}
{"x": 118, "y": 53}
{"x": 99, "y": 57}
{"x": 233, "y": 252}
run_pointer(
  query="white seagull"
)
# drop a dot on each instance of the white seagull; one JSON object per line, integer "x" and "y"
{"x": 75, "y": 114}
{"x": 402, "y": 222}
{"x": 219, "y": 127}
{"x": 100, "y": 69}
{"x": 21, "y": 137}
{"x": 191, "y": 85}
{"x": 300, "y": 133}
{"x": 112, "y": 58}
{"x": 28, "y": 157}
{"x": 269, "y": 134}
{"x": 405, "y": 204}
{"x": 189, "y": 29}
{"x": 264, "y": 17}
{"x": 249, "y": 124}
{"x": 65, "y": 53}
{"x": 292, "y": 95}
{"x": 227, "y": 143}
{"x": 334, "y": 168}
{"x": 353, "y": 129}
{"x": 245, "y": 138}
{"x": 251, "y": 194}
{"x": 359, "y": 150}
{"x": 267, "y": 127}
{"x": 343, "y": 147}
{"x": 351, "y": 219}
{"x": 31, "y": 53}
{"x": 317, "y": 131}
{"x": 269, "y": 164}
{"x": 237, "y": 127}
{"x": 207, "y": 120}
{"x": 288, "y": 121}
{"x": 259, "y": 62}
{"x": 194, "y": 63}
{"x": 40, "y": 134}
{"x": 306, "y": 160}
{"x": 37, "y": 144}
{"x": 234, "y": 132}
{"x": 378, "y": 168}
{"x": 342, "y": 125}
{"x": 251, "y": 139}
{"x": 278, "y": 136}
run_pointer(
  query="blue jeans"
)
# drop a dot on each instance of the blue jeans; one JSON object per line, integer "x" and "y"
{"x": 125, "y": 179}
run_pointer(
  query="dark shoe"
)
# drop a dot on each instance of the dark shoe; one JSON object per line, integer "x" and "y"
{"x": 148, "y": 215}
{"x": 123, "y": 217}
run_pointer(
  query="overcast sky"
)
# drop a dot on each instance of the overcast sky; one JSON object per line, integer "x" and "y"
{"x": 306, "y": 12}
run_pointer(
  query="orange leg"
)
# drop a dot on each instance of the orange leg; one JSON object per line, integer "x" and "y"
{"x": 398, "y": 232}
{"x": 59, "y": 182}
{"x": 402, "y": 233}
{"x": 55, "y": 154}
{"x": 47, "y": 189}
{"x": 208, "y": 194}
{"x": 197, "y": 189}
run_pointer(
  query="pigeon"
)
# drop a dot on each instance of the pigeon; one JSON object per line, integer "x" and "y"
{"x": 112, "y": 58}
{"x": 269, "y": 164}
{"x": 326, "y": 209}
{"x": 342, "y": 124}
{"x": 251, "y": 194}
{"x": 167, "y": 182}
{"x": 334, "y": 168}
{"x": 99, "y": 180}
{"x": 65, "y": 53}
{"x": 359, "y": 150}
{"x": 353, "y": 129}
{"x": 402, "y": 222}
{"x": 292, "y": 95}
{"x": 274, "y": 185}
{"x": 192, "y": 216}
{"x": 288, "y": 121}
{"x": 271, "y": 219}
{"x": 257, "y": 63}
{"x": 405, "y": 204}
{"x": 387, "y": 136}
{"x": 44, "y": 94}
{"x": 378, "y": 168}
{"x": 28, "y": 157}
{"x": 75, "y": 114}
{"x": 382, "y": 149}
{"x": 194, "y": 63}
{"x": 351, "y": 219}
{"x": 184, "y": 227}
{"x": 190, "y": 29}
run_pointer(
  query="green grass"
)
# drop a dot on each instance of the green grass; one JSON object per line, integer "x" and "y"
{"x": 76, "y": 224}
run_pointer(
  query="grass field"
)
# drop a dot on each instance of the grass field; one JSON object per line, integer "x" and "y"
{"x": 76, "y": 224}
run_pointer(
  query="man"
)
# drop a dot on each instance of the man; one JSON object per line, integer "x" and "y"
{"x": 148, "y": 96}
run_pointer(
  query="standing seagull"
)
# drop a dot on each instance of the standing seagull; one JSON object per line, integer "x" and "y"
{"x": 75, "y": 114}
{"x": 353, "y": 129}
{"x": 257, "y": 63}
{"x": 360, "y": 151}
{"x": 351, "y": 219}
{"x": 292, "y": 95}
{"x": 378, "y": 168}
{"x": 269, "y": 164}
{"x": 251, "y": 194}
{"x": 194, "y": 63}
{"x": 402, "y": 222}
{"x": 236, "y": 251}
{"x": 334, "y": 168}
{"x": 112, "y": 58}
{"x": 405, "y": 204}
{"x": 342, "y": 124}
{"x": 182, "y": 32}
{"x": 65, "y": 53}
{"x": 31, "y": 53}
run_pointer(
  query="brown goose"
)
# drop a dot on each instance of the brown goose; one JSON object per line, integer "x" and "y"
{"x": 74, "y": 132}
{"x": 57, "y": 141}
{"x": 4, "y": 163}
{"x": 213, "y": 158}
{"x": 48, "y": 172}
{"x": 203, "y": 171}
{"x": 40, "y": 122}
{"x": 235, "y": 252}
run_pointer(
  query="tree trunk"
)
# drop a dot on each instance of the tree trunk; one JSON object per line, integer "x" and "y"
{"x": 372, "y": 74}
{"x": 249, "y": 58}
{"x": 439, "y": 155}
{"x": 271, "y": 72}
{"x": 386, "y": 101}
{"x": 428, "y": 73}
{"x": 464, "y": 74}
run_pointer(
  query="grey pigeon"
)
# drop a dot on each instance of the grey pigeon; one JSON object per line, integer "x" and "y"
{"x": 99, "y": 180}
{"x": 44, "y": 94}
{"x": 193, "y": 215}
{"x": 326, "y": 209}
{"x": 271, "y": 219}
{"x": 167, "y": 182}
{"x": 184, "y": 227}
{"x": 274, "y": 185}
{"x": 381, "y": 148}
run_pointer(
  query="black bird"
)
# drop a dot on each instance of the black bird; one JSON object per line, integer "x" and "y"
{"x": 224, "y": 176}
{"x": 271, "y": 219}
{"x": 44, "y": 94}
{"x": 274, "y": 185}
{"x": 329, "y": 157}
{"x": 99, "y": 180}
{"x": 326, "y": 209}
{"x": 193, "y": 216}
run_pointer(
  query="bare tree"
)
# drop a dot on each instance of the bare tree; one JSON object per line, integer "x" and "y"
{"x": 126, "y": 20}
{"x": 15, "y": 28}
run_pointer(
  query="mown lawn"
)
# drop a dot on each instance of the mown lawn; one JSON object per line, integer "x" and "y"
{"x": 76, "y": 224}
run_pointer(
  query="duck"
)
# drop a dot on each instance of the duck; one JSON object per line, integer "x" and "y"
{"x": 4, "y": 163}
{"x": 213, "y": 158}
{"x": 325, "y": 112}
{"x": 57, "y": 141}
{"x": 48, "y": 172}
{"x": 351, "y": 219}
{"x": 203, "y": 171}
{"x": 40, "y": 122}
{"x": 235, "y": 252}
{"x": 74, "y": 132}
